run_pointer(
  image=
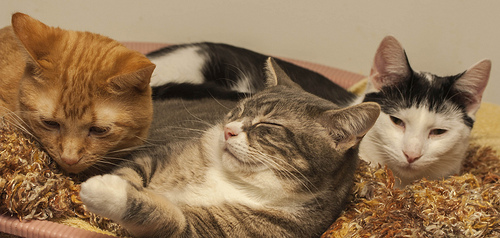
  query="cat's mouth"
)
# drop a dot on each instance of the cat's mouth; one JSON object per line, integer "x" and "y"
{"x": 410, "y": 167}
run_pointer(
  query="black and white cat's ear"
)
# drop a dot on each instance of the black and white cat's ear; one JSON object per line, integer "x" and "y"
{"x": 347, "y": 126}
{"x": 472, "y": 83}
{"x": 390, "y": 65}
{"x": 275, "y": 75}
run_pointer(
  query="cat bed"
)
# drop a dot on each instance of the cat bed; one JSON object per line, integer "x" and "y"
{"x": 37, "y": 200}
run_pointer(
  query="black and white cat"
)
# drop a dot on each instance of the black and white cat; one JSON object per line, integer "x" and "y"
{"x": 425, "y": 122}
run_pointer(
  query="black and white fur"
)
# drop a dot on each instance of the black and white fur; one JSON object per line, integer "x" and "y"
{"x": 228, "y": 72}
{"x": 424, "y": 127}
{"x": 425, "y": 122}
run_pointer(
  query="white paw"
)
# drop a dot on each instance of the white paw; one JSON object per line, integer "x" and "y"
{"x": 105, "y": 195}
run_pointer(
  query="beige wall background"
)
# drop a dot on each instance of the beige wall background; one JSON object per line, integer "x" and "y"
{"x": 444, "y": 37}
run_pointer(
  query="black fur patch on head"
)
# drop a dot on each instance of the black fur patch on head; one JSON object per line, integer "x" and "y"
{"x": 438, "y": 94}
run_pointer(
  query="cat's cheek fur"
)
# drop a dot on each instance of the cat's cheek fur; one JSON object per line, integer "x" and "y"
{"x": 105, "y": 195}
{"x": 374, "y": 146}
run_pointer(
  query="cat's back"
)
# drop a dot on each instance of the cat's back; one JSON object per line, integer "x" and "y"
{"x": 208, "y": 66}
{"x": 11, "y": 69}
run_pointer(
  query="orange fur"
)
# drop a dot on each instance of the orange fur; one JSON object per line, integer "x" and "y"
{"x": 84, "y": 96}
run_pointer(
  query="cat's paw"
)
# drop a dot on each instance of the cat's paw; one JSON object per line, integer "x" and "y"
{"x": 105, "y": 195}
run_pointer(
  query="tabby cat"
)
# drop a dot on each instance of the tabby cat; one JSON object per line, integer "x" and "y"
{"x": 85, "y": 97}
{"x": 279, "y": 164}
{"x": 426, "y": 119}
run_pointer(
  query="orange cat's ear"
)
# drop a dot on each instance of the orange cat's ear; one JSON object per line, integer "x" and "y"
{"x": 36, "y": 37}
{"x": 137, "y": 77}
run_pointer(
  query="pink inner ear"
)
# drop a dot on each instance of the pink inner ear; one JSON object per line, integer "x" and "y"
{"x": 389, "y": 64}
{"x": 473, "y": 83}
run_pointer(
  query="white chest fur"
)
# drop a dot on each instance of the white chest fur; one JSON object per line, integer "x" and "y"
{"x": 223, "y": 185}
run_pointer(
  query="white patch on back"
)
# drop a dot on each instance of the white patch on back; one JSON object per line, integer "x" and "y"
{"x": 184, "y": 65}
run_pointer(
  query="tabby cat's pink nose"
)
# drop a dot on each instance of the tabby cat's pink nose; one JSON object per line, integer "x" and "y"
{"x": 229, "y": 132}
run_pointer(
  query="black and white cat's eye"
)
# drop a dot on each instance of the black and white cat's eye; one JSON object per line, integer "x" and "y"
{"x": 397, "y": 121}
{"x": 98, "y": 131}
{"x": 52, "y": 125}
{"x": 437, "y": 132}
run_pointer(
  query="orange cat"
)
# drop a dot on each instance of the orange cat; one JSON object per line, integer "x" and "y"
{"x": 85, "y": 97}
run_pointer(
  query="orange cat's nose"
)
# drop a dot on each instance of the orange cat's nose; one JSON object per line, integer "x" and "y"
{"x": 69, "y": 160}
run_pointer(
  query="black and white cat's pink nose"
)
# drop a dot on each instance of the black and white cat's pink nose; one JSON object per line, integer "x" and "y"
{"x": 232, "y": 129}
{"x": 411, "y": 157}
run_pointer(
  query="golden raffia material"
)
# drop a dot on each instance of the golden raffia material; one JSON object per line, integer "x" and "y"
{"x": 32, "y": 187}
{"x": 461, "y": 206}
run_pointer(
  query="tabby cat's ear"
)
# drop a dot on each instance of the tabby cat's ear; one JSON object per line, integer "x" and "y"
{"x": 472, "y": 84}
{"x": 135, "y": 76}
{"x": 36, "y": 37}
{"x": 275, "y": 75}
{"x": 347, "y": 126}
{"x": 390, "y": 64}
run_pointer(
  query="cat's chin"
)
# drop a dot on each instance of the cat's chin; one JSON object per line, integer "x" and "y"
{"x": 409, "y": 170}
{"x": 231, "y": 160}
{"x": 228, "y": 155}
{"x": 83, "y": 170}
{"x": 71, "y": 169}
